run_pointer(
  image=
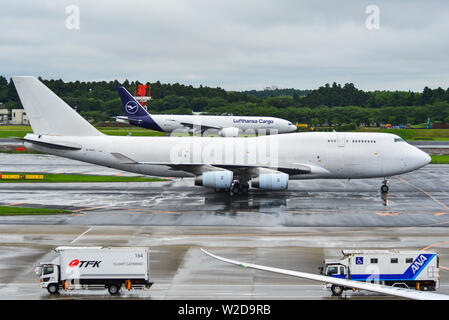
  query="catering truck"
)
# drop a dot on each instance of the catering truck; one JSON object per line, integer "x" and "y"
{"x": 96, "y": 268}
{"x": 408, "y": 269}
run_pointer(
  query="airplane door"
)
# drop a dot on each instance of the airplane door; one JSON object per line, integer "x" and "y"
{"x": 339, "y": 155}
{"x": 341, "y": 140}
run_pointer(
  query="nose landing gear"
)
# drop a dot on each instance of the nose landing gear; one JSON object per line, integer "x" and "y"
{"x": 384, "y": 188}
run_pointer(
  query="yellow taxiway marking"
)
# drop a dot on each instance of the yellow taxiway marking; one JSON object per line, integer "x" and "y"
{"x": 440, "y": 213}
{"x": 426, "y": 193}
{"x": 88, "y": 209}
{"x": 143, "y": 211}
{"x": 435, "y": 245}
{"x": 15, "y": 204}
{"x": 387, "y": 213}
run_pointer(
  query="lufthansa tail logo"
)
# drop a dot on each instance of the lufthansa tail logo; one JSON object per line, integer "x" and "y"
{"x": 131, "y": 107}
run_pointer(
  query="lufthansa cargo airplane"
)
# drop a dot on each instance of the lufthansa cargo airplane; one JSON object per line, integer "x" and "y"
{"x": 226, "y": 126}
{"x": 231, "y": 164}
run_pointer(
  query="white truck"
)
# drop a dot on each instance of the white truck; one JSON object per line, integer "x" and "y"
{"x": 96, "y": 268}
{"x": 408, "y": 269}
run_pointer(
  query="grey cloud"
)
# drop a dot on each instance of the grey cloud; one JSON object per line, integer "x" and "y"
{"x": 233, "y": 44}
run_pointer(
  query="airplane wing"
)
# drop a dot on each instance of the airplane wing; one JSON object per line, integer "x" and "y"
{"x": 198, "y": 168}
{"x": 127, "y": 120}
{"x": 202, "y": 126}
{"x": 399, "y": 292}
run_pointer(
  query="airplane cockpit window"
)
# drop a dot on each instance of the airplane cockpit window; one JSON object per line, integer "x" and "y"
{"x": 398, "y": 140}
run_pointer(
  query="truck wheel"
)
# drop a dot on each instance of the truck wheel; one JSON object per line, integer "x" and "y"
{"x": 336, "y": 290}
{"x": 113, "y": 289}
{"x": 53, "y": 288}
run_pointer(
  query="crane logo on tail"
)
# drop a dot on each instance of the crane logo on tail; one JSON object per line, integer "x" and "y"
{"x": 131, "y": 107}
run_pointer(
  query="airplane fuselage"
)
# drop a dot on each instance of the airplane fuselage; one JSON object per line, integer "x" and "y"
{"x": 329, "y": 155}
{"x": 170, "y": 123}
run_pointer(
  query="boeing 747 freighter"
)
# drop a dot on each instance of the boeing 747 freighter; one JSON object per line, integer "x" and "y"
{"x": 231, "y": 164}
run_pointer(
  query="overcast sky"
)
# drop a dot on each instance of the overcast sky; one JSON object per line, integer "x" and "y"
{"x": 236, "y": 45}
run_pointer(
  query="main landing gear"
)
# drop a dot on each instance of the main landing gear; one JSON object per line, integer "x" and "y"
{"x": 239, "y": 187}
{"x": 384, "y": 188}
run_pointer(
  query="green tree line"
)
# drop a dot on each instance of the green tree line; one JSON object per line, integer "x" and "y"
{"x": 328, "y": 105}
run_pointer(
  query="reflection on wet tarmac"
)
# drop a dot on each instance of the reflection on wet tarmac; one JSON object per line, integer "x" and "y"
{"x": 417, "y": 198}
{"x": 384, "y": 197}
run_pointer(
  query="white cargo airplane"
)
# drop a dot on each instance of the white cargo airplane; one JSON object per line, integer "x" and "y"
{"x": 226, "y": 126}
{"x": 220, "y": 163}
{"x": 373, "y": 287}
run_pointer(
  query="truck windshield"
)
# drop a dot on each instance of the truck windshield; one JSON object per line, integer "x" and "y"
{"x": 331, "y": 271}
{"x": 47, "y": 269}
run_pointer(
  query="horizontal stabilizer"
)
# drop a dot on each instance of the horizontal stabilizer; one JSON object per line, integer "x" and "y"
{"x": 59, "y": 145}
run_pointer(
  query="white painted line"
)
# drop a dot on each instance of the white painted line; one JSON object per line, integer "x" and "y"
{"x": 82, "y": 234}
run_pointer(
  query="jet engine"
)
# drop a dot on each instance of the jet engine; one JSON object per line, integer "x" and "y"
{"x": 229, "y": 132}
{"x": 271, "y": 181}
{"x": 221, "y": 179}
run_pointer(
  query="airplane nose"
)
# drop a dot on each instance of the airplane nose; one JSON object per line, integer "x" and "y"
{"x": 428, "y": 159}
{"x": 422, "y": 158}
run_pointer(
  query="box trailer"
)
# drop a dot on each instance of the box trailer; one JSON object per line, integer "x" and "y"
{"x": 408, "y": 269}
{"x": 112, "y": 268}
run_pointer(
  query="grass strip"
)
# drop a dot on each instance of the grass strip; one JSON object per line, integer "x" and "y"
{"x": 15, "y": 211}
{"x": 440, "y": 159}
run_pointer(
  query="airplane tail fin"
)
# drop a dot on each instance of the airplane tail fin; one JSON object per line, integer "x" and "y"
{"x": 132, "y": 106}
{"x": 47, "y": 113}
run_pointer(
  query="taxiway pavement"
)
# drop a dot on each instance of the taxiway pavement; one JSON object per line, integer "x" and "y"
{"x": 294, "y": 229}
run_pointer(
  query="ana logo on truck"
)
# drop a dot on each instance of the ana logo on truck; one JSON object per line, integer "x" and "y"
{"x": 85, "y": 264}
{"x": 417, "y": 264}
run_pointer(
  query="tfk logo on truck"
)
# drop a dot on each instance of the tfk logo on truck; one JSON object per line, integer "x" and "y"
{"x": 85, "y": 264}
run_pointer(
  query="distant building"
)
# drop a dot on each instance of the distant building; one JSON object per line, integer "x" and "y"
{"x": 4, "y": 114}
{"x": 273, "y": 87}
{"x": 19, "y": 117}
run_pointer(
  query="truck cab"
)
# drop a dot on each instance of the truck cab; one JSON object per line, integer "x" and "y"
{"x": 336, "y": 271}
{"x": 49, "y": 277}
